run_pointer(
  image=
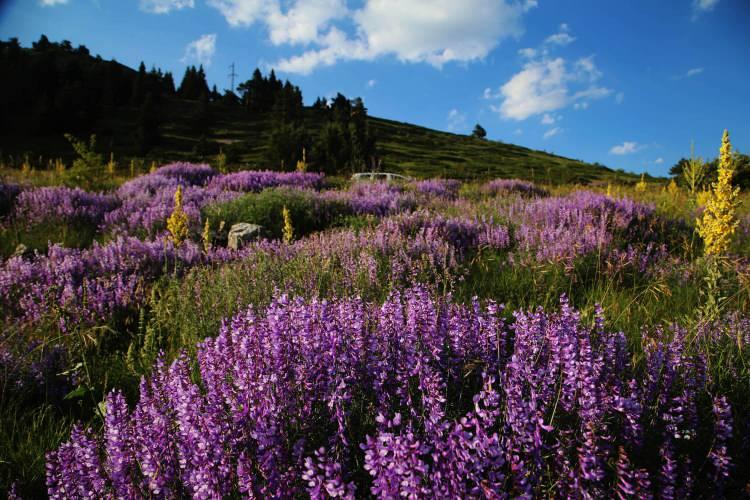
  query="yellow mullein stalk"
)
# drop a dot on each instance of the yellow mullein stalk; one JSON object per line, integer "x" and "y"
{"x": 177, "y": 223}
{"x": 609, "y": 190}
{"x": 111, "y": 165}
{"x": 132, "y": 168}
{"x": 221, "y": 162}
{"x": 719, "y": 221}
{"x": 288, "y": 229}
{"x": 153, "y": 167}
{"x": 302, "y": 164}
{"x": 672, "y": 188}
{"x": 206, "y": 236}
{"x": 641, "y": 186}
{"x": 702, "y": 198}
{"x": 59, "y": 167}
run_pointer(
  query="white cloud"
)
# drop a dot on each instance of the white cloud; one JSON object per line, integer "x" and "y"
{"x": 693, "y": 72}
{"x": 518, "y": 131}
{"x": 626, "y": 148}
{"x": 304, "y": 21}
{"x": 437, "y": 31}
{"x": 201, "y": 50}
{"x": 545, "y": 85}
{"x": 371, "y": 83}
{"x": 242, "y": 12}
{"x": 620, "y": 97}
{"x": 659, "y": 161}
{"x": 414, "y": 31}
{"x": 701, "y": 6}
{"x": 165, "y": 6}
{"x": 548, "y": 119}
{"x": 52, "y": 3}
{"x": 552, "y": 132}
{"x": 456, "y": 120}
{"x": 562, "y": 37}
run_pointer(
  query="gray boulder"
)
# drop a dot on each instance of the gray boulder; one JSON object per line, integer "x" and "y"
{"x": 241, "y": 233}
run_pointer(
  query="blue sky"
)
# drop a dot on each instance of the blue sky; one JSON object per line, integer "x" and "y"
{"x": 626, "y": 83}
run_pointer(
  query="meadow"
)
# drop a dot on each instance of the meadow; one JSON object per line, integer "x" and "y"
{"x": 432, "y": 338}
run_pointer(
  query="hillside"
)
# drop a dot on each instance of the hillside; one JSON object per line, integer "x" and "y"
{"x": 404, "y": 148}
{"x": 83, "y": 94}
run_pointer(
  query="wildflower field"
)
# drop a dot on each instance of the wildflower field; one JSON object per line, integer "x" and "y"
{"x": 425, "y": 339}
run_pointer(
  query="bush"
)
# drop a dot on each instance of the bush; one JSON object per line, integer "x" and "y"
{"x": 309, "y": 211}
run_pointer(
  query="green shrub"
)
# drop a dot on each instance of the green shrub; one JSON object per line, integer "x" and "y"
{"x": 309, "y": 211}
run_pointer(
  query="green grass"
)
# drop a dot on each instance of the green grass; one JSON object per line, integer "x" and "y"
{"x": 404, "y": 148}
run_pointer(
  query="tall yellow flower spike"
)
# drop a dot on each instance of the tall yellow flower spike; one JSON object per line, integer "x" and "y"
{"x": 177, "y": 223}
{"x": 288, "y": 229}
{"x": 719, "y": 221}
{"x": 641, "y": 185}
{"x": 302, "y": 164}
{"x": 206, "y": 236}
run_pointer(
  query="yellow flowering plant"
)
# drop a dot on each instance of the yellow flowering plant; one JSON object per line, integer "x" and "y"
{"x": 177, "y": 223}
{"x": 719, "y": 221}
{"x": 288, "y": 230}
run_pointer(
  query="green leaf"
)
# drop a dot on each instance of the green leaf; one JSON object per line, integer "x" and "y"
{"x": 78, "y": 392}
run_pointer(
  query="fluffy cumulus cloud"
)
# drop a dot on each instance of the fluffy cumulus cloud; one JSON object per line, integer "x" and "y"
{"x": 547, "y": 83}
{"x": 371, "y": 83}
{"x": 52, "y": 3}
{"x": 456, "y": 121}
{"x": 201, "y": 51}
{"x": 165, "y": 6}
{"x": 435, "y": 32}
{"x": 659, "y": 161}
{"x": 626, "y": 148}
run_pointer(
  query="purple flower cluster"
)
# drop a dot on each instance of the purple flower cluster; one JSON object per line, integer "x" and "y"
{"x": 403, "y": 249}
{"x": 253, "y": 181}
{"x": 441, "y": 188}
{"x": 375, "y": 198}
{"x": 62, "y": 204}
{"x": 560, "y": 229}
{"x": 85, "y": 286}
{"x": 147, "y": 200}
{"x": 189, "y": 173}
{"x": 464, "y": 405}
{"x": 147, "y": 212}
{"x": 506, "y": 186}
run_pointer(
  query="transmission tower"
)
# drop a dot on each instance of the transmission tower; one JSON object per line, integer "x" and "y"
{"x": 232, "y": 75}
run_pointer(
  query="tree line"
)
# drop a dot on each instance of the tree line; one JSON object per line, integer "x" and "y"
{"x": 54, "y": 88}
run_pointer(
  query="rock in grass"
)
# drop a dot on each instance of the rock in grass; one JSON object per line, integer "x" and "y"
{"x": 241, "y": 233}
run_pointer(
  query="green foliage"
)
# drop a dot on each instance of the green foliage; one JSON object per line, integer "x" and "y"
{"x": 285, "y": 146}
{"x": 479, "y": 132}
{"x": 39, "y": 236}
{"x": 308, "y": 211}
{"x": 88, "y": 170}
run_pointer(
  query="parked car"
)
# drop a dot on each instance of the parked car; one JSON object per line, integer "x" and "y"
{"x": 379, "y": 176}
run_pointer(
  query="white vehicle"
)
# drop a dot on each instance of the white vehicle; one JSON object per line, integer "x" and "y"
{"x": 379, "y": 176}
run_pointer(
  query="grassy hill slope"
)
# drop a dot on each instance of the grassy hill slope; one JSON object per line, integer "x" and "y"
{"x": 405, "y": 148}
